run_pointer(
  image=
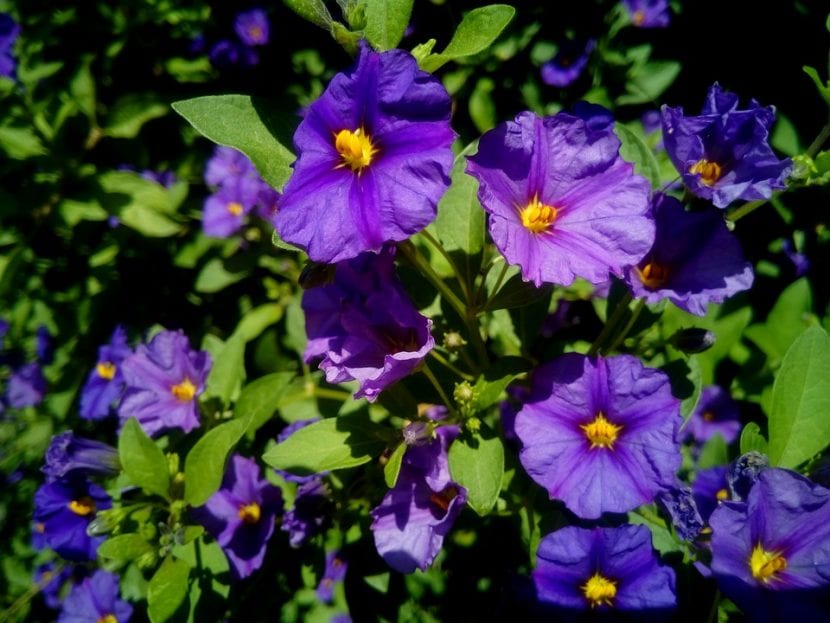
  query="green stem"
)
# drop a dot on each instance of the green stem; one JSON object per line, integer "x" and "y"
{"x": 747, "y": 208}
{"x": 611, "y": 323}
{"x": 483, "y": 284}
{"x": 461, "y": 281}
{"x": 622, "y": 334}
{"x": 331, "y": 394}
{"x": 428, "y": 373}
{"x": 822, "y": 137}
{"x": 446, "y": 363}
{"x": 496, "y": 287}
{"x": 713, "y": 613}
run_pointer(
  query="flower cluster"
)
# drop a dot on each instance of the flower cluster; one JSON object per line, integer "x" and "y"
{"x": 252, "y": 31}
{"x": 239, "y": 192}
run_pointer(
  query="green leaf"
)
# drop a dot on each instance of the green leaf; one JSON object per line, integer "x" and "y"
{"x": 713, "y": 453}
{"x": 752, "y": 439}
{"x": 489, "y": 386}
{"x": 823, "y": 89}
{"x": 799, "y": 426}
{"x": 240, "y": 122}
{"x": 477, "y": 464}
{"x": 131, "y": 112}
{"x": 785, "y": 136}
{"x": 142, "y": 460}
{"x": 517, "y": 293}
{"x": 649, "y": 82}
{"x": 260, "y": 398}
{"x": 481, "y": 105}
{"x": 477, "y": 31}
{"x": 167, "y": 589}
{"x": 20, "y": 143}
{"x": 393, "y": 466}
{"x": 123, "y": 548}
{"x": 82, "y": 88}
{"x": 228, "y": 370}
{"x": 332, "y": 443}
{"x": 214, "y": 277}
{"x": 255, "y": 321}
{"x": 634, "y": 149}
{"x": 140, "y": 204}
{"x": 205, "y": 464}
{"x": 314, "y": 11}
{"x": 787, "y": 319}
{"x": 386, "y": 21}
{"x": 460, "y": 221}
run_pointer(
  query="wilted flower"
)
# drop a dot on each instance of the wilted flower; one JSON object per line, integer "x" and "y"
{"x": 648, "y": 13}
{"x": 163, "y": 380}
{"x": 373, "y": 159}
{"x": 771, "y": 556}
{"x": 95, "y": 600}
{"x": 603, "y": 570}
{"x": 715, "y": 414}
{"x": 681, "y": 507}
{"x": 600, "y": 434}
{"x": 63, "y": 510}
{"x": 695, "y": 260}
{"x": 419, "y": 511}
{"x": 71, "y": 455}
{"x": 364, "y": 326}
{"x": 26, "y": 386}
{"x": 105, "y": 383}
{"x": 744, "y": 473}
{"x": 251, "y": 27}
{"x": 241, "y": 515}
{"x": 562, "y": 203}
{"x": 723, "y": 154}
{"x": 568, "y": 64}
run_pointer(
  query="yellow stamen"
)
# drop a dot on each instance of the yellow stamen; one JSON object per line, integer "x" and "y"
{"x": 255, "y": 32}
{"x": 355, "y": 148}
{"x": 638, "y": 18}
{"x": 250, "y": 513}
{"x": 82, "y": 506}
{"x": 709, "y": 172}
{"x": 601, "y": 433}
{"x": 235, "y": 208}
{"x": 766, "y": 565}
{"x": 653, "y": 275}
{"x": 722, "y": 495}
{"x": 599, "y": 590}
{"x": 184, "y": 391}
{"x": 106, "y": 370}
{"x": 708, "y": 416}
{"x": 107, "y": 618}
{"x": 537, "y": 216}
{"x": 40, "y": 527}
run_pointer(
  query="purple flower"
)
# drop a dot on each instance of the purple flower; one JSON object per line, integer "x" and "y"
{"x": 709, "y": 489}
{"x": 241, "y": 515}
{"x": 226, "y": 54}
{"x": 600, "y": 434}
{"x": 226, "y": 165}
{"x": 44, "y": 346}
{"x": 163, "y": 380}
{"x": 373, "y": 159}
{"x": 334, "y": 572}
{"x": 715, "y": 413}
{"x": 568, "y": 64}
{"x": 771, "y": 556}
{"x": 681, "y": 507}
{"x": 800, "y": 262}
{"x": 562, "y": 202}
{"x": 414, "y": 517}
{"x": 9, "y": 31}
{"x": 312, "y": 508}
{"x": 26, "y": 386}
{"x": 51, "y": 582}
{"x": 723, "y": 154}
{"x": 227, "y": 209}
{"x": 70, "y": 455}
{"x": 652, "y": 121}
{"x": 364, "y": 326}
{"x": 603, "y": 570}
{"x": 105, "y": 383}
{"x": 695, "y": 260}
{"x": 95, "y": 600}
{"x": 648, "y": 13}
{"x": 63, "y": 510}
{"x": 251, "y": 27}
{"x": 165, "y": 178}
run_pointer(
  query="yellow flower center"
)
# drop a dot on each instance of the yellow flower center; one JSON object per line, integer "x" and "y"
{"x": 82, "y": 506}
{"x": 235, "y": 208}
{"x": 536, "y": 216}
{"x": 766, "y": 565}
{"x": 106, "y": 370}
{"x": 255, "y": 32}
{"x": 653, "y": 275}
{"x": 107, "y": 618}
{"x": 599, "y": 590}
{"x": 709, "y": 172}
{"x": 601, "y": 433}
{"x": 250, "y": 513}
{"x": 638, "y": 18}
{"x": 184, "y": 391}
{"x": 722, "y": 495}
{"x": 355, "y": 149}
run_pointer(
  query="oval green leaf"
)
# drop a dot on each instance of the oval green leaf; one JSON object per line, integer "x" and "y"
{"x": 142, "y": 460}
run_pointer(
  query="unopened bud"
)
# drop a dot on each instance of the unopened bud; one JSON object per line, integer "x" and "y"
{"x": 693, "y": 340}
{"x": 463, "y": 393}
{"x": 472, "y": 424}
{"x": 453, "y": 340}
